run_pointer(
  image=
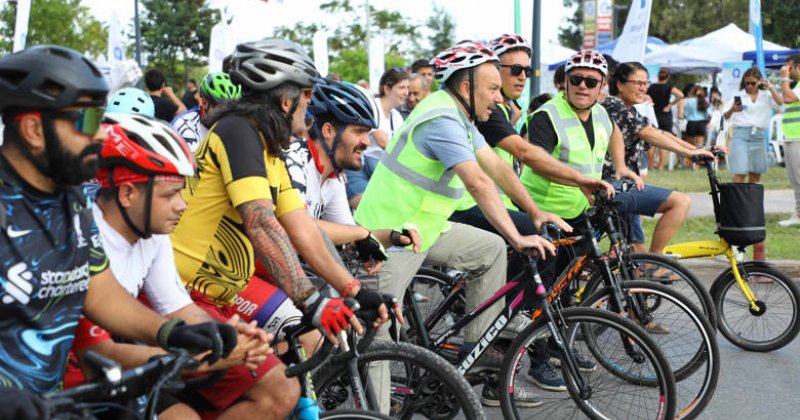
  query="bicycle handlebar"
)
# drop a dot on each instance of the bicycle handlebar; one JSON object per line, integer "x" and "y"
{"x": 704, "y": 159}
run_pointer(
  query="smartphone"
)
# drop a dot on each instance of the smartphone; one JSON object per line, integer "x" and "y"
{"x": 737, "y": 100}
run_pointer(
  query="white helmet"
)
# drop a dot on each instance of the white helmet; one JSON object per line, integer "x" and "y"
{"x": 506, "y": 42}
{"x": 466, "y": 54}
{"x": 587, "y": 59}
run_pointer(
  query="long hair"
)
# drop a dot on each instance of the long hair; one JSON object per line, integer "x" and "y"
{"x": 700, "y": 94}
{"x": 264, "y": 110}
{"x": 753, "y": 72}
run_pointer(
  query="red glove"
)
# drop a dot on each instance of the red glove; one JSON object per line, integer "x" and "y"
{"x": 330, "y": 314}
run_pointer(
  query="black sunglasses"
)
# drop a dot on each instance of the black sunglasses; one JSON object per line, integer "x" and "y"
{"x": 576, "y": 80}
{"x": 517, "y": 69}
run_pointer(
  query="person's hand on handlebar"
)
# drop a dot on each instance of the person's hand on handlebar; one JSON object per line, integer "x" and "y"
{"x": 331, "y": 315}
{"x": 534, "y": 243}
{"x": 21, "y": 404}
{"x": 701, "y": 152}
{"x": 588, "y": 185}
{"x": 544, "y": 217}
{"x": 369, "y": 300}
{"x": 627, "y": 173}
{"x": 219, "y": 338}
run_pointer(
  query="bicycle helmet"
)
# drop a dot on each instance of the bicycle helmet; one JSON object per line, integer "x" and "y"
{"x": 131, "y": 101}
{"x": 466, "y": 54}
{"x": 348, "y": 103}
{"x": 217, "y": 87}
{"x": 263, "y": 65}
{"x": 49, "y": 77}
{"x": 505, "y": 43}
{"x": 587, "y": 59}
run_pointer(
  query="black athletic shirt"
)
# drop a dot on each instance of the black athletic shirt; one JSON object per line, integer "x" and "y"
{"x": 542, "y": 133}
{"x": 660, "y": 92}
{"x": 49, "y": 248}
{"x": 497, "y": 127}
{"x": 165, "y": 109}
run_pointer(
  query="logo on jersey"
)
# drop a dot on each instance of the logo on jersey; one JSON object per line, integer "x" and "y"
{"x": 61, "y": 283}
{"x": 244, "y": 307}
{"x": 19, "y": 285}
{"x": 13, "y": 233}
{"x": 76, "y": 221}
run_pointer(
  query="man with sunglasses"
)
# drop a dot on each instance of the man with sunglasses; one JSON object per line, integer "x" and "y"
{"x": 49, "y": 245}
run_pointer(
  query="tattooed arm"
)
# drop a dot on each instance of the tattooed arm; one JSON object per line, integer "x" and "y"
{"x": 272, "y": 245}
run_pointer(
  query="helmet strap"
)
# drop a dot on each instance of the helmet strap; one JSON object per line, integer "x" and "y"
{"x": 331, "y": 151}
{"x": 147, "y": 206}
{"x": 470, "y": 107}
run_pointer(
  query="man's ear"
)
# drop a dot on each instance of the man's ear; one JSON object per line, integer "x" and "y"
{"x": 286, "y": 103}
{"x": 31, "y": 131}
{"x": 328, "y": 131}
{"x": 127, "y": 193}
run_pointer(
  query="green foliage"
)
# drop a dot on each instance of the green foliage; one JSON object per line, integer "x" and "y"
{"x": 176, "y": 35}
{"x": 60, "y": 22}
{"x": 443, "y": 31}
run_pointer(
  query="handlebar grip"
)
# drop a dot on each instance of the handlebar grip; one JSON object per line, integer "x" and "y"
{"x": 312, "y": 363}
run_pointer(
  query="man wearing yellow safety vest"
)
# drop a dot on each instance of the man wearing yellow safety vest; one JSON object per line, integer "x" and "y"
{"x": 433, "y": 159}
{"x": 514, "y": 54}
{"x": 791, "y": 131}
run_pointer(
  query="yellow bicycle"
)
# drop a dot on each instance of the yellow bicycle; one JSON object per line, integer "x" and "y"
{"x": 757, "y": 305}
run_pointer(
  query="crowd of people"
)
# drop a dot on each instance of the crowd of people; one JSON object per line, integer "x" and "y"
{"x": 199, "y": 204}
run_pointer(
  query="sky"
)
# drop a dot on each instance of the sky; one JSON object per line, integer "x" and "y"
{"x": 255, "y": 19}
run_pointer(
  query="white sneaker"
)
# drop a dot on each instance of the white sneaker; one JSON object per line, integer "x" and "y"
{"x": 792, "y": 221}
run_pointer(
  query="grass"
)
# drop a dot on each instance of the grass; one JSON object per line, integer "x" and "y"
{"x": 781, "y": 241}
{"x": 685, "y": 180}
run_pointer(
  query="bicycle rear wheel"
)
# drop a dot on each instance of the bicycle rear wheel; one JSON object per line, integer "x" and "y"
{"x": 690, "y": 345}
{"x": 423, "y": 385}
{"x": 608, "y": 396}
{"x": 352, "y": 415}
{"x": 776, "y": 322}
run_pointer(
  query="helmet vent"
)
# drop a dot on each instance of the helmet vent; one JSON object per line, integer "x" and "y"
{"x": 50, "y": 89}
{"x": 13, "y": 77}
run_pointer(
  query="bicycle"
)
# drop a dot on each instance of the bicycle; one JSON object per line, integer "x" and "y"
{"x": 757, "y": 305}
{"x": 655, "y": 389}
{"x": 422, "y": 383}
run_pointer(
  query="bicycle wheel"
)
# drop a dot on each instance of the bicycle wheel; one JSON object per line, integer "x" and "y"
{"x": 352, "y": 415}
{"x": 423, "y": 384}
{"x": 770, "y": 328}
{"x": 428, "y": 289}
{"x": 665, "y": 271}
{"x": 690, "y": 345}
{"x": 607, "y": 396}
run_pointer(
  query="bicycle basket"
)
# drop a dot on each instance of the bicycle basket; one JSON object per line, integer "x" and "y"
{"x": 741, "y": 219}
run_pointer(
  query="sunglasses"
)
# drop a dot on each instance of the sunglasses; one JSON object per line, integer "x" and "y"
{"x": 517, "y": 69}
{"x": 750, "y": 83}
{"x": 639, "y": 83}
{"x": 86, "y": 120}
{"x": 576, "y": 80}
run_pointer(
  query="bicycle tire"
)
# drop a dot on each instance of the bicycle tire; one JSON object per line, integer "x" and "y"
{"x": 740, "y": 325}
{"x": 429, "y": 288}
{"x": 352, "y": 415}
{"x": 681, "y": 279}
{"x": 658, "y": 404}
{"x": 423, "y": 383}
{"x": 691, "y": 347}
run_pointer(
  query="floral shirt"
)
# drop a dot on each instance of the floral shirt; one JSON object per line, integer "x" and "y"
{"x": 630, "y": 123}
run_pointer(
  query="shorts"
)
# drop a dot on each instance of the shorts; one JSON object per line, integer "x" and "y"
{"x": 212, "y": 400}
{"x": 664, "y": 121}
{"x": 268, "y": 306}
{"x": 357, "y": 180}
{"x": 748, "y": 153}
{"x": 635, "y": 232}
{"x": 645, "y": 202}
{"x": 696, "y": 128}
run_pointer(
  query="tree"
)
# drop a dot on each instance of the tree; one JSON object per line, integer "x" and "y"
{"x": 348, "y": 41}
{"x": 60, "y": 22}
{"x": 442, "y": 26}
{"x": 176, "y": 35}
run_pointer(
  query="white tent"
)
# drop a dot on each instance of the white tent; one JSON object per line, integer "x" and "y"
{"x": 554, "y": 53}
{"x": 708, "y": 52}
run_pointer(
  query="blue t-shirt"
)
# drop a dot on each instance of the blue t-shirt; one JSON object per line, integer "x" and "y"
{"x": 49, "y": 249}
{"x": 445, "y": 140}
{"x": 690, "y": 111}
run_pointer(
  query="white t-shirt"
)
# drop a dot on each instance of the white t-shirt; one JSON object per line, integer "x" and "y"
{"x": 325, "y": 199}
{"x": 754, "y": 114}
{"x": 389, "y": 125}
{"x": 147, "y": 265}
{"x": 189, "y": 126}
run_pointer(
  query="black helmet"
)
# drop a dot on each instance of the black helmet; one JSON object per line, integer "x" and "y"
{"x": 263, "y": 65}
{"x": 49, "y": 77}
{"x": 348, "y": 103}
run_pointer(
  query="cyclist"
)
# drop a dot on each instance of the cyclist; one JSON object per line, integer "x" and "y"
{"x": 436, "y": 155}
{"x": 50, "y": 246}
{"x": 343, "y": 116}
{"x": 142, "y": 171}
{"x": 241, "y": 204}
{"x": 215, "y": 88}
{"x": 131, "y": 101}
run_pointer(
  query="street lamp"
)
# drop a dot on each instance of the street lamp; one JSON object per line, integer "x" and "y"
{"x": 138, "y": 45}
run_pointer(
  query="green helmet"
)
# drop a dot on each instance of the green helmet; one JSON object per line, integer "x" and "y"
{"x": 217, "y": 87}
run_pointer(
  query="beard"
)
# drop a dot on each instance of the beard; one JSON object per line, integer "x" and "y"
{"x": 64, "y": 167}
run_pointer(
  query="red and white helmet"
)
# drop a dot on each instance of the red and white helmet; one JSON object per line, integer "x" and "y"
{"x": 465, "y": 55}
{"x": 587, "y": 59}
{"x": 138, "y": 148}
{"x": 506, "y": 42}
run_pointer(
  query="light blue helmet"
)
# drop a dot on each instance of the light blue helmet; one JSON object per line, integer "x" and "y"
{"x": 131, "y": 101}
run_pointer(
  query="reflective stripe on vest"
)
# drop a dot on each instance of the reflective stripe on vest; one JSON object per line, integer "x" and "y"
{"x": 790, "y": 123}
{"x": 573, "y": 149}
{"x": 409, "y": 187}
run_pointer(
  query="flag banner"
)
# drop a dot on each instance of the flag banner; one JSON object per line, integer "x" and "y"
{"x": 321, "y": 52}
{"x": 21, "y": 25}
{"x": 632, "y": 43}
{"x": 222, "y": 44}
{"x": 375, "y": 56}
{"x": 605, "y": 19}
{"x": 757, "y": 31}
{"x": 116, "y": 53}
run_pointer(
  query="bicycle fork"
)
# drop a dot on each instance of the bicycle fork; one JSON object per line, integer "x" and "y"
{"x": 755, "y": 308}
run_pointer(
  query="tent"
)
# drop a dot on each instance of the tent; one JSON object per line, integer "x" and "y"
{"x": 772, "y": 58}
{"x": 553, "y": 53}
{"x": 653, "y": 44}
{"x": 707, "y": 53}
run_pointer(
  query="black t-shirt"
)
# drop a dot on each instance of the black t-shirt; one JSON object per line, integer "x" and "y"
{"x": 660, "y": 92}
{"x": 497, "y": 127}
{"x": 188, "y": 99}
{"x": 165, "y": 109}
{"x": 543, "y": 134}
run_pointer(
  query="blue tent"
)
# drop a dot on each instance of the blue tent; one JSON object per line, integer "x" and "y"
{"x": 653, "y": 43}
{"x": 772, "y": 58}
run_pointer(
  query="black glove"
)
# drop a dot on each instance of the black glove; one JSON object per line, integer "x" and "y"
{"x": 21, "y": 404}
{"x": 217, "y": 337}
{"x": 370, "y": 248}
{"x": 396, "y": 237}
{"x": 368, "y": 300}
{"x": 330, "y": 314}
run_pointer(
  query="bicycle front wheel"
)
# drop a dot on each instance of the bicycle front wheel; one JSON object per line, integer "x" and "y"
{"x": 774, "y": 324}
{"x": 621, "y": 342}
{"x": 352, "y": 415}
